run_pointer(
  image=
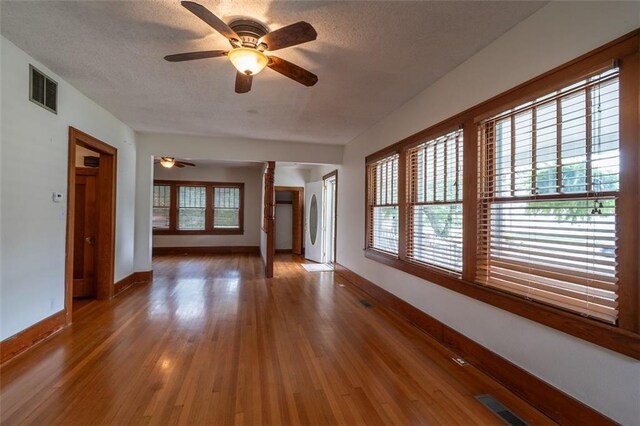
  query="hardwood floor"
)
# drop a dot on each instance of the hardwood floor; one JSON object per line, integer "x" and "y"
{"x": 211, "y": 341}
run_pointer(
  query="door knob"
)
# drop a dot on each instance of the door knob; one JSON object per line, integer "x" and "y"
{"x": 90, "y": 240}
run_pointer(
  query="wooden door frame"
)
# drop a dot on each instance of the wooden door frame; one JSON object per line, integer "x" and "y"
{"x": 105, "y": 247}
{"x": 335, "y": 213}
{"x": 297, "y": 217}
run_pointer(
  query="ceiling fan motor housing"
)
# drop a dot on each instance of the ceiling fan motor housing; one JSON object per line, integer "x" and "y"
{"x": 250, "y": 32}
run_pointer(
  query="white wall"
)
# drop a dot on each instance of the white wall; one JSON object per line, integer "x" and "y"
{"x": 559, "y": 32}
{"x": 284, "y": 225}
{"x": 34, "y": 165}
{"x": 252, "y": 179}
{"x": 206, "y": 148}
{"x": 291, "y": 176}
{"x": 317, "y": 173}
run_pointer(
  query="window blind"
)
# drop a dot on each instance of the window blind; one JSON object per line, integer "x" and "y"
{"x": 226, "y": 207}
{"x": 548, "y": 185}
{"x": 383, "y": 204}
{"x": 434, "y": 223}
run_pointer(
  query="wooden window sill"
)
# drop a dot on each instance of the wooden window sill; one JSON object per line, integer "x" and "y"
{"x": 198, "y": 232}
{"x": 601, "y": 334}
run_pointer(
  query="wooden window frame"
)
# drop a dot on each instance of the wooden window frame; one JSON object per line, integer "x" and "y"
{"x": 371, "y": 205}
{"x": 407, "y": 186}
{"x": 209, "y": 229}
{"x": 624, "y": 337}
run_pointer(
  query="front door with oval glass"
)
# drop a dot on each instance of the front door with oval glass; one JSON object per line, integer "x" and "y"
{"x": 313, "y": 221}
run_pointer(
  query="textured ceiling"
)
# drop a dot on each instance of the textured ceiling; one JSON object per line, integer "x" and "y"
{"x": 370, "y": 56}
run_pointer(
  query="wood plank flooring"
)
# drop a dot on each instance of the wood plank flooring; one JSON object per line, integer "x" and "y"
{"x": 211, "y": 341}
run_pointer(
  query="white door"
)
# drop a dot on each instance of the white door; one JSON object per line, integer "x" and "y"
{"x": 329, "y": 220}
{"x": 313, "y": 221}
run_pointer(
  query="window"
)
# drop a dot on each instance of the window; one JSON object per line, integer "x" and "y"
{"x": 536, "y": 211}
{"x": 383, "y": 206}
{"x": 435, "y": 202}
{"x": 161, "y": 206}
{"x": 549, "y": 185}
{"x": 198, "y": 207}
{"x": 226, "y": 207}
{"x": 191, "y": 207}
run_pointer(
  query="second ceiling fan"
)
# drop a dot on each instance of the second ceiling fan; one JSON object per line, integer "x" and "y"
{"x": 250, "y": 39}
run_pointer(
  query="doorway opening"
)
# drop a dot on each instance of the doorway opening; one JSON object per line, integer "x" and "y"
{"x": 289, "y": 219}
{"x": 90, "y": 249}
{"x": 330, "y": 210}
{"x": 320, "y": 220}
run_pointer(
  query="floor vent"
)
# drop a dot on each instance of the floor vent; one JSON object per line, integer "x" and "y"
{"x": 500, "y": 410}
{"x": 365, "y": 303}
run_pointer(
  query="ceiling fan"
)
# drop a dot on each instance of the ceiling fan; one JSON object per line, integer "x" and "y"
{"x": 250, "y": 39}
{"x": 169, "y": 162}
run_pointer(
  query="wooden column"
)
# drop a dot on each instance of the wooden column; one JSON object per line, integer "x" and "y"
{"x": 269, "y": 216}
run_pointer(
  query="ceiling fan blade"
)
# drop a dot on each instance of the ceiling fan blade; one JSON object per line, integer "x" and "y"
{"x": 178, "y": 164}
{"x": 291, "y": 35}
{"x": 292, "y": 71}
{"x": 214, "y": 22}
{"x": 184, "y": 163}
{"x": 243, "y": 82}
{"x": 190, "y": 56}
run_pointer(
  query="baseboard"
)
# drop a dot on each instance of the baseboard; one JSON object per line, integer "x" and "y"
{"x": 27, "y": 338}
{"x": 284, "y": 251}
{"x": 550, "y": 400}
{"x": 207, "y": 250}
{"x": 134, "y": 278}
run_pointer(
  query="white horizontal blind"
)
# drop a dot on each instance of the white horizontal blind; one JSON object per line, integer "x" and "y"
{"x": 434, "y": 171}
{"x": 383, "y": 204}
{"x": 549, "y": 178}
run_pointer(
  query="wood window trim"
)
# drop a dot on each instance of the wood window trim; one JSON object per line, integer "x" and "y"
{"x": 623, "y": 338}
{"x": 371, "y": 202}
{"x": 209, "y": 229}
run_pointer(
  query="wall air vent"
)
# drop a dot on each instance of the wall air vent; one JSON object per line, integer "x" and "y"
{"x": 43, "y": 90}
{"x": 91, "y": 161}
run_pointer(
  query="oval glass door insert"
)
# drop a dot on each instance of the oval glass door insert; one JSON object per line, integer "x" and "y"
{"x": 313, "y": 219}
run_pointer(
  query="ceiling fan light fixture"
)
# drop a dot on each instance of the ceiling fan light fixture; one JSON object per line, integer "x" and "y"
{"x": 167, "y": 162}
{"x": 247, "y": 60}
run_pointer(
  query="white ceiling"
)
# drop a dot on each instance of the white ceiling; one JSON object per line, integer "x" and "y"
{"x": 370, "y": 56}
{"x": 223, "y": 164}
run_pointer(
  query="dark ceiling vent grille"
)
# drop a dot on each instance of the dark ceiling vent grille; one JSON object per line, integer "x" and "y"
{"x": 43, "y": 90}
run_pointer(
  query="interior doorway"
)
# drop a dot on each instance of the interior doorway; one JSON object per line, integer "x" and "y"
{"x": 90, "y": 250}
{"x": 85, "y": 226}
{"x": 320, "y": 219}
{"x": 289, "y": 219}
{"x": 330, "y": 210}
